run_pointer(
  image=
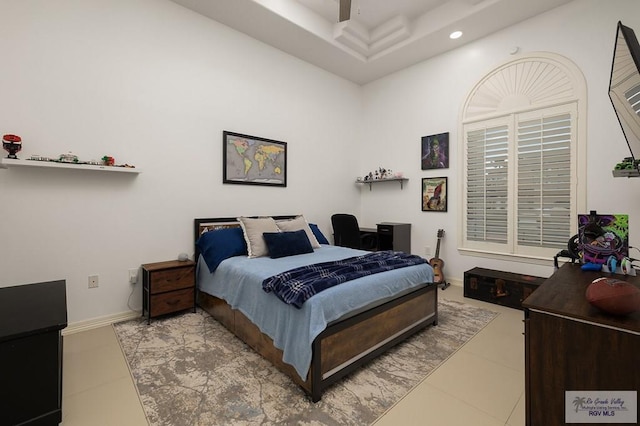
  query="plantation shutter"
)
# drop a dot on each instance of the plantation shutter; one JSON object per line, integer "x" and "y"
{"x": 633, "y": 97}
{"x": 487, "y": 184}
{"x": 524, "y": 163}
{"x": 544, "y": 180}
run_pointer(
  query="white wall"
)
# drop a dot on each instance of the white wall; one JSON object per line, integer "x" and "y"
{"x": 427, "y": 99}
{"x": 153, "y": 85}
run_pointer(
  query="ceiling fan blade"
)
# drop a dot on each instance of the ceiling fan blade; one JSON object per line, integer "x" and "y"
{"x": 345, "y": 10}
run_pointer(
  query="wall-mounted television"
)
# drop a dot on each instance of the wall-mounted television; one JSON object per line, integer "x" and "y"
{"x": 624, "y": 92}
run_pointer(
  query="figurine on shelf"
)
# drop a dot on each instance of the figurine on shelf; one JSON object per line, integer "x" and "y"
{"x": 108, "y": 161}
{"x": 69, "y": 157}
{"x": 12, "y": 144}
{"x": 379, "y": 174}
{"x": 385, "y": 173}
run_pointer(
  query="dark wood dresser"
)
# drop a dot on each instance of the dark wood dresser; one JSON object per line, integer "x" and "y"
{"x": 31, "y": 320}
{"x": 572, "y": 346}
{"x": 168, "y": 287}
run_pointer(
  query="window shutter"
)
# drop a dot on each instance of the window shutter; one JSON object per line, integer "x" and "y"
{"x": 633, "y": 97}
{"x": 487, "y": 184}
{"x": 523, "y": 166}
{"x": 544, "y": 181}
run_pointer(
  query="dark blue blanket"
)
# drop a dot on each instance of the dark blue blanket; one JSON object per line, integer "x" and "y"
{"x": 295, "y": 286}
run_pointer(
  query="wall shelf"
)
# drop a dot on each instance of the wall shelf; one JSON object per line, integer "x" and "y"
{"x": 6, "y": 163}
{"x": 371, "y": 182}
{"x": 628, "y": 173}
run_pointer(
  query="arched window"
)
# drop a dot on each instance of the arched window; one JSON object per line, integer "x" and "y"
{"x": 524, "y": 157}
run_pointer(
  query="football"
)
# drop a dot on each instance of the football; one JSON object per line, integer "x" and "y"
{"x": 614, "y": 296}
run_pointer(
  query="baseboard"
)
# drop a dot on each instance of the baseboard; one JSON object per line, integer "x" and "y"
{"x": 456, "y": 282}
{"x": 90, "y": 324}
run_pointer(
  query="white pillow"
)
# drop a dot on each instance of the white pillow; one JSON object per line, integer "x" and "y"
{"x": 253, "y": 228}
{"x": 296, "y": 224}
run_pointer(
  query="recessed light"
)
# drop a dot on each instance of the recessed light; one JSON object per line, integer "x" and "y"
{"x": 456, "y": 34}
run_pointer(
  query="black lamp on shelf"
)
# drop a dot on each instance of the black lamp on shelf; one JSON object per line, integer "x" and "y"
{"x": 12, "y": 144}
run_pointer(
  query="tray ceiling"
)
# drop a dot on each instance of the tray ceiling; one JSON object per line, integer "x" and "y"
{"x": 382, "y": 36}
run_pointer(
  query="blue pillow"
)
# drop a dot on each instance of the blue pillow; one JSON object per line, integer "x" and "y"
{"x": 281, "y": 244}
{"x": 216, "y": 246}
{"x": 318, "y": 233}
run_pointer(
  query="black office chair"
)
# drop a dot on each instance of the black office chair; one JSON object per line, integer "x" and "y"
{"x": 346, "y": 233}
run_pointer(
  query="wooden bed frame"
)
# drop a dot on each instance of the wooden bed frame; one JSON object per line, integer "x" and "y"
{"x": 344, "y": 345}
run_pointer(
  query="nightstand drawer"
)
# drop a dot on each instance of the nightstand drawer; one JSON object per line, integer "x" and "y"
{"x": 171, "y": 279}
{"x": 167, "y": 287}
{"x": 172, "y": 301}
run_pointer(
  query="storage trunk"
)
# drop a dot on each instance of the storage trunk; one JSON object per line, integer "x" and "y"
{"x": 502, "y": 288}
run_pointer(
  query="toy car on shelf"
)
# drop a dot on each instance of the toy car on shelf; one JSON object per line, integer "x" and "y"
{"x": 627, "y": 168}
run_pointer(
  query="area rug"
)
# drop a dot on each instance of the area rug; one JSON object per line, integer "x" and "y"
{"x": 189, "y": 370}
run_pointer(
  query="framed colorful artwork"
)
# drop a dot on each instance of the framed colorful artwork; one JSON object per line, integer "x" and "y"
{"x": 603, "y": 236}
{"x": 252, "y": 160}
{"x": 435, "y": 151}
{"x": 434, "y": 194}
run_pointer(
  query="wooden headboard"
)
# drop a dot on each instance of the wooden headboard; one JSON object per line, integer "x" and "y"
{"x": 202, "y": 225}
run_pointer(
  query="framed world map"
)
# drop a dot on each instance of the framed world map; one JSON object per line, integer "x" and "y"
{"x": 251, "y": 160}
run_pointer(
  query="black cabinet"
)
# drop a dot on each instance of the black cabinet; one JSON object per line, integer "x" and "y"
{"x": 502, "y": 288}
{"x": 394, "y": 236}
{"x": 31, "y": 320}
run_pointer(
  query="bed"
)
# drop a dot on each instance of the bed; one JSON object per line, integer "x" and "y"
{"x": 334, "y": 332}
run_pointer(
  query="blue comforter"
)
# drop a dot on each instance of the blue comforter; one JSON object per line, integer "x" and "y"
{"x": 238, "y": 281}
{"x": 297, "y": 285}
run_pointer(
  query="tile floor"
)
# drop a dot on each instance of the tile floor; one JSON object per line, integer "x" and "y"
{"x": 482, "y": 384}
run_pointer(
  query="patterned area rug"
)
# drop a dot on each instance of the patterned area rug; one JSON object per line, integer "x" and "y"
{"x": 189, "y": 370}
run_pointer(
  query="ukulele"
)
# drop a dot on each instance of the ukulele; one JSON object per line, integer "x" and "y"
{"x": 438, "y": 264}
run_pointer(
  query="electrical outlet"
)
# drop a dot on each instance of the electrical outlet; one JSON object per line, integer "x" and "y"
{"x": 427, "y": 251}
{"x": 93, "y": 281}
{"x": 133, "y": 276}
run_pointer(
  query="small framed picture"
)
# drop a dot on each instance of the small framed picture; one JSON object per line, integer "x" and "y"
{"x": 435, "y": 151}
{"x": 434, "y": 194}
{"x": 252, "y": 160}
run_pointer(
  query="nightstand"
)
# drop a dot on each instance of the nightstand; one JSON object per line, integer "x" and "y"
{"x": 168, "y": 287}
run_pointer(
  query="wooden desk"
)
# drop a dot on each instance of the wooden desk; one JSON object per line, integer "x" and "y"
{"x": 572, "y": 346}
{"x": 391, "y": 236}
{"x": 31, "y": 320}
{"x": 364, "y": 230}
{"x": 394, "y": 236}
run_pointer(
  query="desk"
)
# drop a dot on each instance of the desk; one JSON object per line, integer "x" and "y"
{"x": 368, "y": 230}
{"x": 391, "y": 236}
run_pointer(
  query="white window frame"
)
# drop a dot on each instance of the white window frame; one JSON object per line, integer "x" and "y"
{"x": 571, "y": 85}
